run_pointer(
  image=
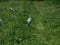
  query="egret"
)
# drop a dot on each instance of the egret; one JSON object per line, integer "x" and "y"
{"x": 12, "y": 9}
{"x": 0, "y": 21}
{"x": 29, "y": 21}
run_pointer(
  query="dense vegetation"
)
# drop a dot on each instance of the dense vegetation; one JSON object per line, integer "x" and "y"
{"x": 45, "y": 27}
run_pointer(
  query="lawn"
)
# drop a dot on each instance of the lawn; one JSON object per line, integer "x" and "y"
{"x": 44, "y": 29}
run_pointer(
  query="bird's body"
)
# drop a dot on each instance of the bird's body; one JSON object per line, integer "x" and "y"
{"x": 0, "y": 21}
{"x": 11, "y": 9}
{"x": 29, "y": 21}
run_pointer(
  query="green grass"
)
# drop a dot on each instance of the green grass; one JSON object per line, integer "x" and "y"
{"x": 44, "y": 29}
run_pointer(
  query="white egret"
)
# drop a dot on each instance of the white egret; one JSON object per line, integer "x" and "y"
{"x": 29, "y": 21}
{"x": 12, "y": 9}
{"x": 0, "y": 21}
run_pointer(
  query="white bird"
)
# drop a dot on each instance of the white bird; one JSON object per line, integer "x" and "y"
{"x": 29, "y": 20}
{"x": 0, "y": 21}
{"x": 11, "y": 9}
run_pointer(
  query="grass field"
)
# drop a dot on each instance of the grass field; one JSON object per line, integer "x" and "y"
{"x": 44, "y": 29}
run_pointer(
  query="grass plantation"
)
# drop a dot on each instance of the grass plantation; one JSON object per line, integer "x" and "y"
{"x": 44, "y": 29}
